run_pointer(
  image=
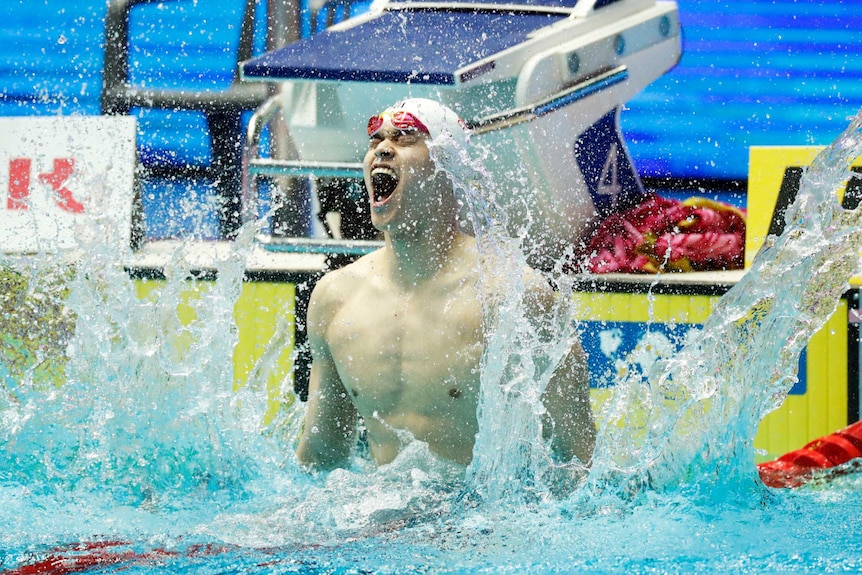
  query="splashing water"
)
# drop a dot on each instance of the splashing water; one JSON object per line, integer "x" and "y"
{"x": 146, "y": 449}
{"x": 511, "y": 462}
{"x": 704, "y": 404}
{"x": 146, "y": 417}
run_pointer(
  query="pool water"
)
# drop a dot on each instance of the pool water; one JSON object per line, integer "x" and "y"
{"x": 146, "y": 459}
{"x": 813, "y": 530}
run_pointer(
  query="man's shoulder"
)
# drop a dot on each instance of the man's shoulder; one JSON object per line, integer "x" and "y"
{"x": 337, "y": 283}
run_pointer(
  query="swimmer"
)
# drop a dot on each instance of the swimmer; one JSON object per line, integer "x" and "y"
{"x": 396, "y": 337}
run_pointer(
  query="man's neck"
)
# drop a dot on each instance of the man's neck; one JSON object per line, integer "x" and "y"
{"x": 418, "y": 258}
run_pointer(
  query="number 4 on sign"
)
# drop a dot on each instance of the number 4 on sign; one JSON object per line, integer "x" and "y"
{"x": 19, "y": 184}
{"x": 609, "y": 181}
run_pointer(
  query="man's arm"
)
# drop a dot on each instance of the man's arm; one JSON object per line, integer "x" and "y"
{"x": 569, "y": 416}
{"x": 330, "y": 421}
{"x": 568, "y": 419}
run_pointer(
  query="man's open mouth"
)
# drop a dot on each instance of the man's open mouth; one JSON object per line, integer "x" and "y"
{"x": 383, "y": 183}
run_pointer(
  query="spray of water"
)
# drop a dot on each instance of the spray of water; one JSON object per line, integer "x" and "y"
{"x": 698, "y": 411}
{"x": 148, "y": 409}
{"x": 691, "y": 420}
{"x": 512, "y": 464}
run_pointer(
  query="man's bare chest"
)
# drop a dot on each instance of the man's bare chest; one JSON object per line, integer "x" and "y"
{"x": 394, "y": 345}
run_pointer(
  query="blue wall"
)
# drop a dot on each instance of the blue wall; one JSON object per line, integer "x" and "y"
{"x": 764, "y": 72}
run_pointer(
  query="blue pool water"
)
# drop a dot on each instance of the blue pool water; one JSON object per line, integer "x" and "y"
{"x": 145, "y": 460}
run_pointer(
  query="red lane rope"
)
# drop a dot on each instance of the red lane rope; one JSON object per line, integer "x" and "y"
{"x": 797, "y": 467}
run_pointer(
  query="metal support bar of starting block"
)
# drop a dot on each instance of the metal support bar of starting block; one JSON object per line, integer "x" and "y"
{"x": 261, "y": 117}
{"x": 328, "y": 246}
{"x": 299, "y": 168}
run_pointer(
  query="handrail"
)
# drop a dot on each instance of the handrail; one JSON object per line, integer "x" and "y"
{"x": 259, "y": 119}
{"x": 117, "y": 95}
{"x": 116, "y": 64}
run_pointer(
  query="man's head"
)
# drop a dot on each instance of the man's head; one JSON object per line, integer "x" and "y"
{"x": 405, "y": 141}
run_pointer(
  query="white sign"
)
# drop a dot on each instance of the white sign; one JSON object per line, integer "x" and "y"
{"x": 63, "y": 179}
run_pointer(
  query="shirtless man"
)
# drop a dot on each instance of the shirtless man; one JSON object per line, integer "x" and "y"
{"x": 396, "y": 337}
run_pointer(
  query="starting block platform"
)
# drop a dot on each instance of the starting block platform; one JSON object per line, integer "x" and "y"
{"x": 541, "y": 84}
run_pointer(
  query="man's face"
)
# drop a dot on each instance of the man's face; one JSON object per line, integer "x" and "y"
{"x": 399, "y": 177}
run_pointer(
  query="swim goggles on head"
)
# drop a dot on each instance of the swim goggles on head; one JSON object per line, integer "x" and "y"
{"x": 400, "y": 120}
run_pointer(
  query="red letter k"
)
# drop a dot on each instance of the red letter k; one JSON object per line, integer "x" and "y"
{"x": 63, "y": 168}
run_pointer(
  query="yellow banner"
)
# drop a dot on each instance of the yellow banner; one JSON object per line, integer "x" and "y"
{"x": 773, "y": 182}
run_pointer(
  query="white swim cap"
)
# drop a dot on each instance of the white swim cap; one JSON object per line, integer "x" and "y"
{"x": 433, "y": 118}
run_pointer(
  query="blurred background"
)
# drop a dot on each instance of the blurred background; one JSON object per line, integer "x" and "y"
{"x": 759, "y": 72}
